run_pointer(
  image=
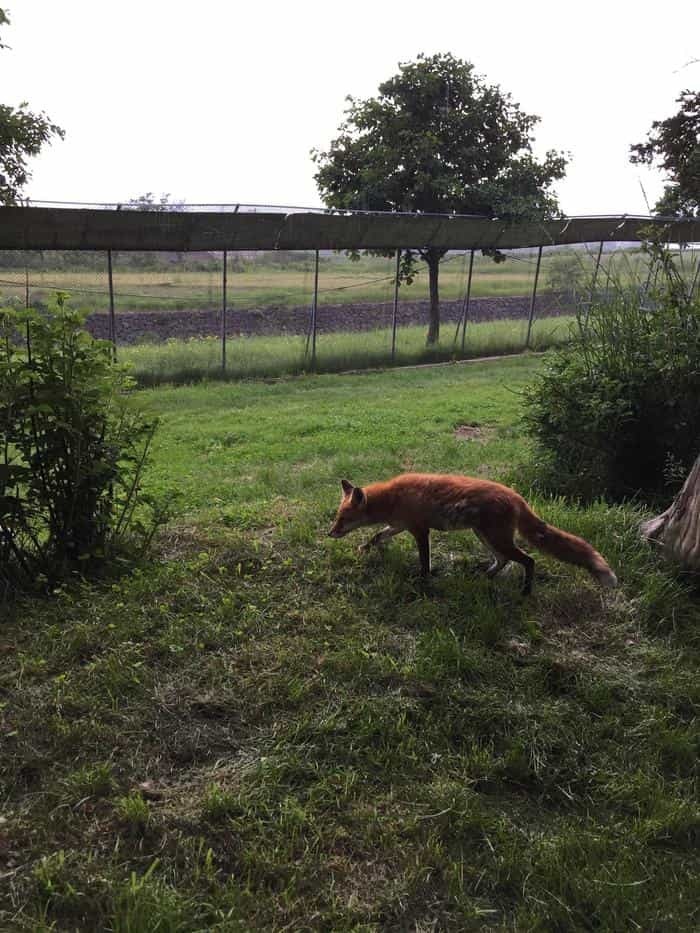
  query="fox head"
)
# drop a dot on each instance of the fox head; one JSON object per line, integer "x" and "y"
{"x": 352, "y": 511}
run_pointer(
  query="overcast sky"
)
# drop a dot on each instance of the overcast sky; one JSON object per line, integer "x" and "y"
{"x": 222, "y": 101}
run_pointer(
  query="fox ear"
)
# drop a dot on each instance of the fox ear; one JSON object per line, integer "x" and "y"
{"x": 358, "y": 496}
{"x": 347, "y": 486}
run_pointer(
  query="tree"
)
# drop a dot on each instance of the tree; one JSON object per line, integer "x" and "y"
{"x": 148, "y": 202}
{"x": 437, "y": 139}
{"x": 22, "y": 134}
{"x": 675, "y": 143}
{"x": 677, "y": 530}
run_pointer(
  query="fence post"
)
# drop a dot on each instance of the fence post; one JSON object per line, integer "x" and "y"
{"x": 597, "y": 267}
{"x": 314, "y": 308}
{"x": 112, "y": 319}
{"x": 223, "y": 316}
{"x": 696, "y": 278}
{"x": 396, "y": 305}
{"x": 467, "y": 298}
{"x": 532, "y": 300}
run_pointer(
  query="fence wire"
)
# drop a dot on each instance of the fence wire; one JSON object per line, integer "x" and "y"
{"x": 183, "y": 316}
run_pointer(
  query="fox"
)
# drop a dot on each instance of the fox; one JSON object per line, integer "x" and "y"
{"x": 421, "y": 502}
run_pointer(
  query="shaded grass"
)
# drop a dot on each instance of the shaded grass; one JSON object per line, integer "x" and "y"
{"x": 183, "y": 361}
{"x": 264, "y": 730}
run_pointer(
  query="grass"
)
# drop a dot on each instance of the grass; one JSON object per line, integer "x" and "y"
{"x": 262, "y": 283}
{"x": 262, "y": 729}
{"x": 183, "y": 361}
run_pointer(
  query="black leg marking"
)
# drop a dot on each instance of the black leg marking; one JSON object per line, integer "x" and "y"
{"x": 423, "y": 541}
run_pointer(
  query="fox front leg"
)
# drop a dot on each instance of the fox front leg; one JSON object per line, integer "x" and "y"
{"x": 381, "y": 536}
{"x": 422, "y": 537}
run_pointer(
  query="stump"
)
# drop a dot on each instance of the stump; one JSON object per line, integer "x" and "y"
{"x": 677, "y": 530}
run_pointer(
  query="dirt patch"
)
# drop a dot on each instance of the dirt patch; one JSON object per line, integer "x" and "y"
{"x": 158, "y": 326}
{"x": 473, "y": 432}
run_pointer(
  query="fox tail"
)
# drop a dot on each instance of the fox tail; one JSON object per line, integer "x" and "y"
{"x": 565, "y": 547}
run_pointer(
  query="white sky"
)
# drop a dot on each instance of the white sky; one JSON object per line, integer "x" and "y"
{"x": 222, "y": 101}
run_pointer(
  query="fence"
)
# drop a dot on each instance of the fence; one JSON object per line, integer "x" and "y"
{"x": 186, "y": 312}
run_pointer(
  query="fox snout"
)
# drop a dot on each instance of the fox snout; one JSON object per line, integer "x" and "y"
{"x": 337, "y": 531}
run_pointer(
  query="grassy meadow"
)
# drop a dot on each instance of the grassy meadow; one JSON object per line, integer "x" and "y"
{"x": 261, "y": 729}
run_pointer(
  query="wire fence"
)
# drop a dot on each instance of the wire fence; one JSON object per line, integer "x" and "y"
{"x": 236, "y": 314}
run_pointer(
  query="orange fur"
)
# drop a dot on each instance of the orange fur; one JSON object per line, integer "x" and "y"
{"x": 419, "y": 502}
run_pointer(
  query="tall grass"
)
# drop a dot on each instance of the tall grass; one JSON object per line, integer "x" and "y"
{"x": 185, "y": 361}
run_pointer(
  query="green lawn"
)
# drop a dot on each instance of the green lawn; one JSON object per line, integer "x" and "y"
{"x": 261, "y": 729}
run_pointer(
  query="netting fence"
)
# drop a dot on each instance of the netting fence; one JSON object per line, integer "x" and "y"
{"x": 181, "y": 315}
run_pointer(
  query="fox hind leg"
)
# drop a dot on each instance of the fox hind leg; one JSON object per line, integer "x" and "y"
{"x": 504, "y": 548}
{"x": 498, "y": 563}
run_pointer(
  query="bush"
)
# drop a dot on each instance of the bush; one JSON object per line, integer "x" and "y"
{"x": 616, "y": 413}
{"x": 72, "y": 450}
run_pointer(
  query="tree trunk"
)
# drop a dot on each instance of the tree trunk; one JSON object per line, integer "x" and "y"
{"x": 677, "y": 530}
{"x": 433, "y": 257}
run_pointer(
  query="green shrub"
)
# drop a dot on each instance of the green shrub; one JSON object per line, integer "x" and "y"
{"x": 72, "y": 449}
{"x": 616, "y": 412}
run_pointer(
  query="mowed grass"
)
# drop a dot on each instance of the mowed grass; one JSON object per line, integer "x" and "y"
{"x": 183, "y": 361}
{"x": 261, "y": 729}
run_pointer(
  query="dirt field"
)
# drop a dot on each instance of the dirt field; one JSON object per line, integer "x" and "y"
{"x": 157, "y": 326}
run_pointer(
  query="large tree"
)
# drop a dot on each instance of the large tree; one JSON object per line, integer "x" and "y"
{"x": 22, "y": 134}
{"x": 438, "y": 139}
{"x": 675, "y": 144}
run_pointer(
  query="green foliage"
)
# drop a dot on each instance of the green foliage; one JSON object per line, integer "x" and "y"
{"x": 437, "y": 139}
{"x": 133, "y": 812}
{"x": 616, "y": 412}
{"x": 90, "y": 781}
{"x": 22, "y": 135}
{"x": 218, "y": 803}
{"x": 149, "y": 202}
{"x": 72, "y": 448}
{"x": 675, "y": 143}
{"x": 3, "y": 22}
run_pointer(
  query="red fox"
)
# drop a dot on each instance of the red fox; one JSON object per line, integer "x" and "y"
{"x": 417, "y": 502}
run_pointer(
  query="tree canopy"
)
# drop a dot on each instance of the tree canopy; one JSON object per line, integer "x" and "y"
{"x": 675, "y": 144}
{"x": 438, "y": 139}
{"x": 22, "y": 135}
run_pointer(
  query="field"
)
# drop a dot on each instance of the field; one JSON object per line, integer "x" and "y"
{"x": 268, "y": 280}
{"x": 169, "y": 307}
{"x": 261, "y": 729}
